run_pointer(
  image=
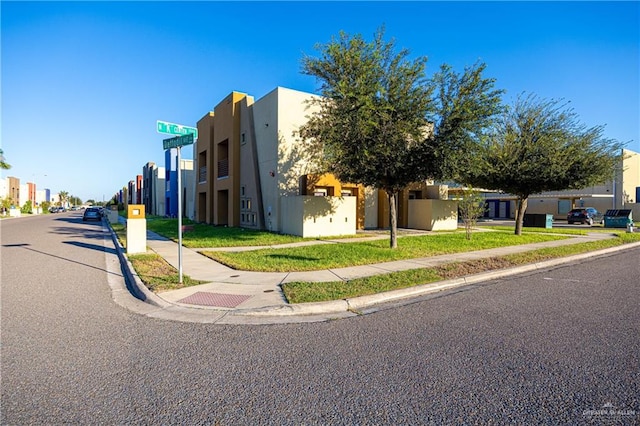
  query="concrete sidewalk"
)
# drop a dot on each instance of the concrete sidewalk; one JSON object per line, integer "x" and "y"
{"x": 231, "y": 296}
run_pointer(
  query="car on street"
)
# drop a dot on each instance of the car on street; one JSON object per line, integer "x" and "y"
{"x": 92, "y": 213}
{"x": 584, "y": 215}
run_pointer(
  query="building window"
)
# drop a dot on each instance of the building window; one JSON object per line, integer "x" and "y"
{"x": 323, "y": 191}
{"x": 223, "y": 168}
{"x": 246, "y": 216}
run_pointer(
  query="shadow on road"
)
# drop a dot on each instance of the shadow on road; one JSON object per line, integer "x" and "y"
{"x": 26, "y": 247}
{"x": 90, "y": 246}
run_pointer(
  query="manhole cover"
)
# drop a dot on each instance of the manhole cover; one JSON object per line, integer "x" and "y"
{"x": 222, "y": 300}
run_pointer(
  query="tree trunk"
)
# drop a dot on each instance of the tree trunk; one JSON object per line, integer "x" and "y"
{"x": 393, "y": 220}
{"x": 520, "y": 209}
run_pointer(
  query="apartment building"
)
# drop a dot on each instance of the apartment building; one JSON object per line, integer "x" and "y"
{"x": 153, "y": 189}
{"x": 252, "y": 172}
{"x": 248, "y": 165}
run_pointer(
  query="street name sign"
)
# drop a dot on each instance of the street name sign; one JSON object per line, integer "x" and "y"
{"x": 175, "y": 129}
{"x": 177, "y": 141}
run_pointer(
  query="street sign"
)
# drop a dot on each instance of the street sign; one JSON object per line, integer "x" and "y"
{"x": 175, "y": 129}
{"x": 177, "y": 141}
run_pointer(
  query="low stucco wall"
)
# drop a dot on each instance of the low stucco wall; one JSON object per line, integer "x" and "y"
{"x": 433, "y": 215}
{"x": 309, "y": 216}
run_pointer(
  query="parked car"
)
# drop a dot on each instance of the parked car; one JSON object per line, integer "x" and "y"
{"x": 583, "y": 215}
{"x": 92, "y": 213}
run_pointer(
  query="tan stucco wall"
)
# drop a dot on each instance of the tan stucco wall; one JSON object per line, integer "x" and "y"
{"x": 310, "y": 216}
{"x": 433, "y": 215}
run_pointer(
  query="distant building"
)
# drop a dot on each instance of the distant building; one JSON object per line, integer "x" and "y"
{"x": 187, "y": 181}
{"x": 14, "y": 190}
{"x": 153, "y": 189}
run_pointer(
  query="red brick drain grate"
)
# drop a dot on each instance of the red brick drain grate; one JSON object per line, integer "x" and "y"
{"x": 215, "y": 299}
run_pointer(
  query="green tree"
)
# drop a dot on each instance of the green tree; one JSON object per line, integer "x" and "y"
{"x": 471, "y": 206}
{"x": 540, "y": 145}
{"x": 76, "y": 201}
{"x": 5, "y": 204}
{"x": 3, "y": 165}
{"x": 45, "y": 205}
{"x": 380, "y": 122}
{"x": 27, "y": 207}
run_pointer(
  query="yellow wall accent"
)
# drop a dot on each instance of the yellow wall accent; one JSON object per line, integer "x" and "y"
{"x": 135, "y": 211}
{"x": 309, "y": 184}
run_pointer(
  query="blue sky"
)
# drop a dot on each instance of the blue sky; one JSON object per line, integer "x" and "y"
{"x": 83, "y": 83}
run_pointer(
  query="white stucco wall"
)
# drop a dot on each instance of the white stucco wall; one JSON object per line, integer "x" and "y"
{"x": 309, "y": 216}
{"x": 276, "y": 117}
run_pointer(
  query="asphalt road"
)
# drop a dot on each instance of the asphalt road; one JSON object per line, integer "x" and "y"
{"x": 556, "y": 347}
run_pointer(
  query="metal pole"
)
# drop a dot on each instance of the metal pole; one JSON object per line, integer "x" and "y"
{"x": 179, "y": 219}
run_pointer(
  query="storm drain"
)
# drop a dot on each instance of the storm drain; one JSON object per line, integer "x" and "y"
{"x": 215, "y": 299}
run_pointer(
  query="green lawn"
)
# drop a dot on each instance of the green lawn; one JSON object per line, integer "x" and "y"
{"x": 337, "y": 255}
{"x": 201, "y": 235}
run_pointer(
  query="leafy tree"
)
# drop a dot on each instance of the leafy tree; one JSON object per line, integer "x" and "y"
{"x": 380, "y": 122}
{"x": 3, "y": 164}
{"x": 45, "y": 205}
{"x": 540, "y": 145}
{"x": 27, "y": 207}
{"x": 76, "y": 201}
{"x": 5, "y": 204}
{"x": 471, "y": 207}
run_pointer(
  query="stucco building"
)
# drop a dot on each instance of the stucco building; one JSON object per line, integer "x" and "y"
{"x": 252, "y": 172}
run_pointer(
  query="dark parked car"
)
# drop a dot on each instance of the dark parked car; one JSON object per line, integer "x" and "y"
{"x": 583, "y": 215}
{"x": 92, "y": 213}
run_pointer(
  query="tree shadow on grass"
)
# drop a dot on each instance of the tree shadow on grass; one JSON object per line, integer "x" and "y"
{"x": 292, "y": 257}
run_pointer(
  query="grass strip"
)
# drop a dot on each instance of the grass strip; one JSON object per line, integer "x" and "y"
{"x": 337, "y": 255}
{"x": 157, "y": 274}
{"x": 301, "y": 292}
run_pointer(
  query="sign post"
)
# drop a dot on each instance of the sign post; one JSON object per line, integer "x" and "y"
{"x": 178, "y": 142}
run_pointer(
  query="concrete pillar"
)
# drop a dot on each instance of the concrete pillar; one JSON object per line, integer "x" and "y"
{"x": 136, "y": 229}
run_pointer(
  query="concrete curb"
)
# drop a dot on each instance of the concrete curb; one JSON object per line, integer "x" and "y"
{"x": 359, "y": 303}
{"x": 350, "y": 305}
{"x": 133, "y": 281}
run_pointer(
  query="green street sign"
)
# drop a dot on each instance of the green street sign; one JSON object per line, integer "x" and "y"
{"x": 175, "y": 129}
{"x": 177, "y": 141}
